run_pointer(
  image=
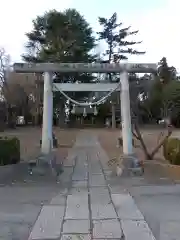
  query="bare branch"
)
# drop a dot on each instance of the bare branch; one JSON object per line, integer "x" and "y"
{"x": 4, "y": 68}
{"x": 161, "y": 142}
{"x": 135, "y": 135}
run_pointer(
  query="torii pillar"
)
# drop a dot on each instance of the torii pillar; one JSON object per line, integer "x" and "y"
{"x": 126, "y": 114}
{"x": 47, "y": 140}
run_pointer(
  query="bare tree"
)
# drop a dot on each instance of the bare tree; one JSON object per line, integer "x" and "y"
{"x": 4, "y": 68}
{"x": 15, "y": 90}
{"x": 163, "y": 136}
{"x": 136, "y": 130}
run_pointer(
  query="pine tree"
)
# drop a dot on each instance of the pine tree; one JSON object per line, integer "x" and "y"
{"x": 116, "y": 38}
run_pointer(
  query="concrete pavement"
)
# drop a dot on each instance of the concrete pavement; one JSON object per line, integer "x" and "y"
{"x": 160, "y": 206}
{"x": 88, "y": 203}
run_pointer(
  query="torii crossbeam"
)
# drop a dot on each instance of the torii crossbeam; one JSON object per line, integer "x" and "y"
{"x": 49, "y": 68}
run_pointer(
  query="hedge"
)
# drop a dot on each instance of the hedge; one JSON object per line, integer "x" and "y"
{"x": 9, "y": 151}
{"x": 171, "y": 150}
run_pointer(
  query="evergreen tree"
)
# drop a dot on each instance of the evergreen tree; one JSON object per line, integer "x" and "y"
{"x": 61, "y": 37}
{"x": 116, "y": 38}
{"x": 118, "y": 46}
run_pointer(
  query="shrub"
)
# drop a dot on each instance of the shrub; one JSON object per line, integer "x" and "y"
{"x": 9, "y": 151}
{"x": 171, "y": 150}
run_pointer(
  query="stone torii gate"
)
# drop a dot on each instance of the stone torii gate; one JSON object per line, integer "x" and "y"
{"x": 49, "y": 68}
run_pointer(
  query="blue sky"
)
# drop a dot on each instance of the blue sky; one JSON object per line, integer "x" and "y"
{"x": 157, "y": 21}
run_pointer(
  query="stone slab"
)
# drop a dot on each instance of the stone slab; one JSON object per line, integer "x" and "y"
{"x": 103, "y": 211}
{"x": 65, "y": 177}
{"x": 95, "y": 165}
{"x": 97, "y": 180}
{"x": 76, "y": 237}
{"x": 78, "y": 190}
{"x": 107, "y": 229}
{"x": 107, "y": 173}
{"x": 100, "y": 195}
{"x": 118, "y": 189}
{"x": 136, "y": 230}
{"x": 95, "y": 171}
{"x": 101, "y": 189}
{"x": 77, "y": 207}
{"x": 69, "y": 163}
{"x": 79, "y": 176}
{"x": 79, "y": 184}
{"x": 70, "y": 160}
{"x": 76, "y": 226}
{"x": 126, "y": 207}
{"x": 48, "y": 224}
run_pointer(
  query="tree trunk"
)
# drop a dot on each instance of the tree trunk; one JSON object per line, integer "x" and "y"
{"x": 139, "y": 137}
{"x": 36, "y": 119}
{"x": 150, "y": 155}
{"x": 113, "y": 116}
{"x": 62, "y": 115}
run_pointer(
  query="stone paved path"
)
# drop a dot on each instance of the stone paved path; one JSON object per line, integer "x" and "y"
{"x": 89, "y": 207}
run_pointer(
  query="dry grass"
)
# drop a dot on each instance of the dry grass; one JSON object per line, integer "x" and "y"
{"x": 30, "y": 140}
{"x": 30, "y": 147}
{"x": 108, "y": 140}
